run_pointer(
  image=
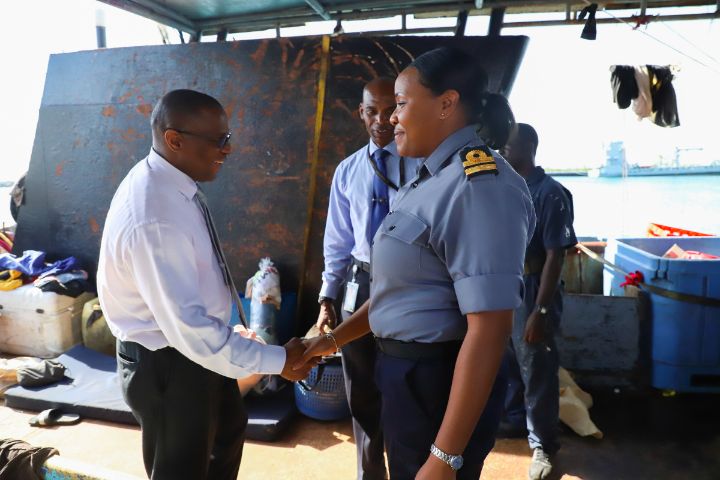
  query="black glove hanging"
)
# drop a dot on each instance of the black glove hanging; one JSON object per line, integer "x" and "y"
{"x": 590, "y": 29}
{"x": 624, "y": 86}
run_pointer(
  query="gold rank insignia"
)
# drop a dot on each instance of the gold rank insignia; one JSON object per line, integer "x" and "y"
{"x": 478, "y": 161}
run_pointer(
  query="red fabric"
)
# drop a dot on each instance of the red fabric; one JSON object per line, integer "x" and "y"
{"x": 641, "y": 20}
{"x": 635, "y": 279}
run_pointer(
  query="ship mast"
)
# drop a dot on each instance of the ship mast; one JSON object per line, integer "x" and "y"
{"x": 676, "y": 158}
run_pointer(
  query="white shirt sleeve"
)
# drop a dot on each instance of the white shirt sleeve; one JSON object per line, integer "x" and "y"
{"x": 162, "y": 259}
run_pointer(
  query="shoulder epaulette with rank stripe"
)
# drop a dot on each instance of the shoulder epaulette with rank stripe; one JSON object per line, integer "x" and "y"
{"x": 478, "y": 161}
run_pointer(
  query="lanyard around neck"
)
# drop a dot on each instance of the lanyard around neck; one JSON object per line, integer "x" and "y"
{"x": 384, "y": 178}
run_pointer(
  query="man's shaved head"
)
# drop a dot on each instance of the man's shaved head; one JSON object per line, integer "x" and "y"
{"x": 521, "y": 148}
{"x": 376, "y": 108}
{"x": 176, "y": 108}
{"x": 527, "y": 133}
{"x": 380, "y": 87}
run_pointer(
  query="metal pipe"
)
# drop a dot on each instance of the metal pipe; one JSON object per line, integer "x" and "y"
{"x": 241, "y": 23}
{"x": 409, "y": 31}
{"x": 319, "y": 9}
{"x": 100, "y": 28}
{"x": 661, "y": 18}
{"x": 496, "y": 22}
{"x": 643, "y": 7}
{"x": 354, "y": 11}
{"x": 518, "y": 5}
{"x": 382, "y": 33}
{"x": 461, "y": 23}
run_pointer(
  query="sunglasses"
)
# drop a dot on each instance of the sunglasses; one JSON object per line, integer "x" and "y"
{"x": 220, "y": 143}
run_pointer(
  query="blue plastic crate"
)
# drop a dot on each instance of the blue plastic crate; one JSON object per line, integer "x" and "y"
{"x": 685, "y": 337}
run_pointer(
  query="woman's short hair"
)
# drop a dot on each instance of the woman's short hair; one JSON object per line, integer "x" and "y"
{"x": 449, "y": 68}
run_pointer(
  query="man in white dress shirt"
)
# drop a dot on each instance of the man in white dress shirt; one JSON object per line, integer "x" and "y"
{"x": 165, "y": 291}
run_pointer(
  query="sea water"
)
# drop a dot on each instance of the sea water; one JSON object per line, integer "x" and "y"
{"x": 616, "y": 207}
{"x": 623, "y": 207}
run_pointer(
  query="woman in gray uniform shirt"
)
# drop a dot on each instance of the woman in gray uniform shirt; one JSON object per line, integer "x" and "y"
{"x": 447, "y": 267}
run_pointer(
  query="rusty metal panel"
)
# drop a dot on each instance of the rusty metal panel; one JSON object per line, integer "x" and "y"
{"x": 94, "y": 126}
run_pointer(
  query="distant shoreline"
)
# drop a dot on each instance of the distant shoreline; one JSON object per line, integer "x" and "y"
{"x": 657, "y": 172}
{"x": 567, "y": 173}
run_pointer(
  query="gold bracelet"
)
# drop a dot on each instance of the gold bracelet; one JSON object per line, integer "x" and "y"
{"x": 331, "y": 336}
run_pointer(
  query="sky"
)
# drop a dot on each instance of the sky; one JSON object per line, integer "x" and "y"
{"x": 562, "y": 89}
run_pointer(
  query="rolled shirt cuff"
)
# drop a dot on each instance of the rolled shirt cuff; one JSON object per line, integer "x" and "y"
{"x": 487, "y": 293}
{"x": 272, "y": 360}
{"x": 330, "y": 290}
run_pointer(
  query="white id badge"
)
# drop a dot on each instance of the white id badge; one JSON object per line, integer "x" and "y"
{"x": 351, "y": 292}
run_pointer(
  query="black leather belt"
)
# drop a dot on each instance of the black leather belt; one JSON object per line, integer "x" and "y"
{"x": 365, "y": 266}
{"x": 418, "y": 350}
{"x": 133, "y": 350}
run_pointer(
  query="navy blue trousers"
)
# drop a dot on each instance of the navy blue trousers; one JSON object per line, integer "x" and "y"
{"x": 533, "y": 391}
{"x": 358, "y": 359}
{"x": 414, "y": 397}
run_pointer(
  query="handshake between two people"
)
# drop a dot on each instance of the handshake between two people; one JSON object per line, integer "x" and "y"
{"x": 303, "y": 355}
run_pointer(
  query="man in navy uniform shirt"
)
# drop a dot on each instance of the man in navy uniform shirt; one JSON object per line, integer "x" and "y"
{"x": 533, "y": 392}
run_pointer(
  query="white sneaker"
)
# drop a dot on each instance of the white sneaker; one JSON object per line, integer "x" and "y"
{"x": 540, "y": 467}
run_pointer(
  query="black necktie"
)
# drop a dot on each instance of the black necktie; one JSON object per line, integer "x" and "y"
{"x": 219, "y": 255}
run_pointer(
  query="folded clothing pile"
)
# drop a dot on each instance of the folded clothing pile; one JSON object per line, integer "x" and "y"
{"x": 64, "y": 277}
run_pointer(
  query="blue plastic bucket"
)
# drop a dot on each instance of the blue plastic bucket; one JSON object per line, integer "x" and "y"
{"x": 325, "y": 397}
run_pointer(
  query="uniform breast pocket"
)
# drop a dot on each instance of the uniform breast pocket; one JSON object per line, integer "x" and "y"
{"x": 401, "y": 238}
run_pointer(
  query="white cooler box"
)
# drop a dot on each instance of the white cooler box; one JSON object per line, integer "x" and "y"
{"x": 39, "y": 324}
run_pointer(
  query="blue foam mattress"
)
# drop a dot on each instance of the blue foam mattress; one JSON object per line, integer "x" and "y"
{"x": 92, "y": 389}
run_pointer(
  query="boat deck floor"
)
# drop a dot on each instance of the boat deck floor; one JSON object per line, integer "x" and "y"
{"x": 646, "y": 437}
